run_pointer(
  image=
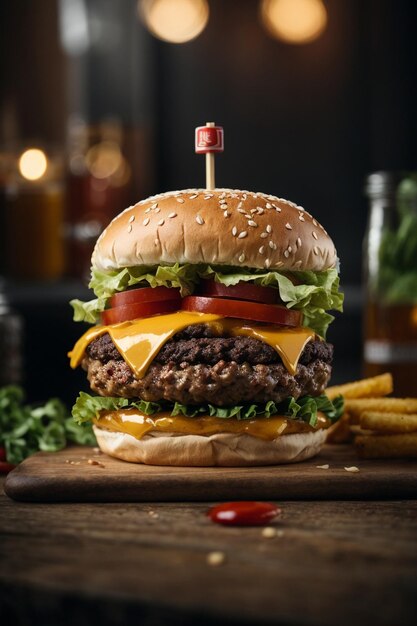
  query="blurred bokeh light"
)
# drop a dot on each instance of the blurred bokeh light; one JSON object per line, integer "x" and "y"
{"x": 174, "y": 21}
{"x": 294, "y": 21}
{"x": 33, "y": 164}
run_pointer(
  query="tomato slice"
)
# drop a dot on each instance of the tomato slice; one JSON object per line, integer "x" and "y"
{"x": 144, "y": 294}
{"x": 269, "y": 313}
{"x": 5, "y": 467}
{"x": 133, "y": 311}
{"x": 241, "y": 291}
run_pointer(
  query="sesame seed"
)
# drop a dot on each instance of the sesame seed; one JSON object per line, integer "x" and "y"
{"x": 279, "y": 264}
{"x": 297, "y": 263}
{"x": 222, "y": 195}
{"x": 129, "y": 228}
{"x": 262, "y": 250}
{"x": 161, "y": 222}
{"x": 268, "y": 205}
{"x": 146, "y": 221}
{"x": 301, "y": 218}
{"x": 181, "y": 200}
{"x": 299, "y": 242}
{"x": 154, "y": 206}
{"x": 239, "y": 206}
{"x": 207, "y": 197}
{"x": 260, "y": 210}
{"x": 199, "y": 220}
{"x": 234, "y": 231}
{"x": 242, "y": 235}
{"x": 353, "y": 469}
{"x": 326, "y": 466}
{"x": 315, "y": 250}
{"x": 132, "y": 219}
{"x": 148, "y": 210}
{"x": 269, "y": 228}
{"x": 314, "y": 234}
{"x": 288, "y": 226}
{"x": 289, "y": 249}
{"x": 242, "y": 211}
{"x": 315, "y": 222}
{"x": 263, "y": 235}
{"x": 277, "y": 208}
{"x": 272, "y": 245}
{"x": 269, "y": 532}
{"x": 171, "y": 215}
{"x": 253, "y": 211}
{"x": 216, "y": 558}
{"x": 241, "y": 258}
{"x": 157, "y": 210}
{"x": 193, "y": 196}
{"x": 267, "y": 263}
{"x": 286, "y": 254}
{"x": 226, "y": 214}
{"x": 253, "y": 224}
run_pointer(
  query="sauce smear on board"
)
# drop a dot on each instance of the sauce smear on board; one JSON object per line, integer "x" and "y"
{"x": 244, "y": 513}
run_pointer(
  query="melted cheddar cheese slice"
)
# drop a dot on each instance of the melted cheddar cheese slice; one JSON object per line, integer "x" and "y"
{"x": 139, "y": 341}
{"x": 131, "y": 422}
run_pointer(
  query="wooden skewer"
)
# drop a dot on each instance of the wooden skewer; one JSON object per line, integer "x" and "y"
{"x": 210, "y": 166}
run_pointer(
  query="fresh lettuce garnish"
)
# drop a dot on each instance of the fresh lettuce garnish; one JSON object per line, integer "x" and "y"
{"x": 25, "y": 429}
{"x": 87, "y": 407}
{"x": 312, "y": 292}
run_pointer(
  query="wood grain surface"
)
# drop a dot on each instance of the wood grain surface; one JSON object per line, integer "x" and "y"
{"x": 68, "y": 476}
{"x": 331, "y": 564}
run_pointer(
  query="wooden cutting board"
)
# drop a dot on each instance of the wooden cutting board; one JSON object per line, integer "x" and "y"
{"x": 68, "y": 476}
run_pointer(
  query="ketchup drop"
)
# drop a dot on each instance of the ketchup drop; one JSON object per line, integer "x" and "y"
{"x": 243, "y": 513}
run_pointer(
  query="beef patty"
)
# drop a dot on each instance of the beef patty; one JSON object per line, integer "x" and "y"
{"x": 199, "y": 344}
{"x": 196, "y": 366}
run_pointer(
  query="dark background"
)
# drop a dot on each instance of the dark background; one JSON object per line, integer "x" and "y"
{"x": 305, "y": 122}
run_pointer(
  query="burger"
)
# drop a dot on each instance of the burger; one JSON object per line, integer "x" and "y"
{"x": 208, "y": 345}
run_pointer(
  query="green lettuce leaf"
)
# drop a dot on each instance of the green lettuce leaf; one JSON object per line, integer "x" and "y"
{"x": 25, "y": 429}
{"x": 88, "y": 407}
{"x": 312, "y": 292}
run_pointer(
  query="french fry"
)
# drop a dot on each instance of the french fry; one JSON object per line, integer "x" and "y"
{"x": 340, "y": 432}
{"x": 389, "y": 422}
{"x": 387, "y": 446}
{"x": 367, "y": 388}
{"x": 356, "y": 407}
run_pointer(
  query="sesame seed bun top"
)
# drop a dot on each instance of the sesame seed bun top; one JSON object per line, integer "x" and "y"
{"x": 219, "y": 227}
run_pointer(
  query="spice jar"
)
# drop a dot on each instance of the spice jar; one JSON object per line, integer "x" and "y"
{"x": 390, "y": 264}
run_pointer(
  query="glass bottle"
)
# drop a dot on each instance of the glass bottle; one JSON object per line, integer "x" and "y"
{"x": 390, "y": 264}
{"x": 10, "y": 343}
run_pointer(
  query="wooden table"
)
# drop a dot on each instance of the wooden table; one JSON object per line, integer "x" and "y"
{"x": 332, "y": 563}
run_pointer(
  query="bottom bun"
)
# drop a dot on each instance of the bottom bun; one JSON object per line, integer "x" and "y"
{"x": 223, "y": 449}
